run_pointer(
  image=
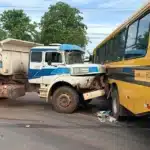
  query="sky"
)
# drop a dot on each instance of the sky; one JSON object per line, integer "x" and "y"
{"x": 100, "y": 16}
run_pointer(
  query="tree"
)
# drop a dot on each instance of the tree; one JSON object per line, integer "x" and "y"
{"x": 3, "y": 34}
{"x": 18, "y": 25}
{"x": 63, "y": 24}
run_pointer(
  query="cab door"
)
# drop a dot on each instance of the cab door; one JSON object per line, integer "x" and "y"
{"x": 52, "y": 66}
{"x": 35, "y": 67}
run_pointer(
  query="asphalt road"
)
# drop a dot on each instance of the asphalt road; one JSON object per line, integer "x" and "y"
{"x": 30, "y": 124}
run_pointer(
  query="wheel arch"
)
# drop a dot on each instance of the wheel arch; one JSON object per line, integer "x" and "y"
{"x": 111, "y": 86}
{"x": 114, "y": 85}
{"x": 56, "y": 85}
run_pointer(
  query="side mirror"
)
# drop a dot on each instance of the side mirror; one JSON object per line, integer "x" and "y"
{"x": 86, "y": 59}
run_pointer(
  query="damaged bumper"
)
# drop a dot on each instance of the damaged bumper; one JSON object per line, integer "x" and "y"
{"x": 93, "y": 94}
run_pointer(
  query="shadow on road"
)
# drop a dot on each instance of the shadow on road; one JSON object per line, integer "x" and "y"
{"x": 137, "y": 125}
{"x": 32, "y": 100}
{"x": 29, "y": 100}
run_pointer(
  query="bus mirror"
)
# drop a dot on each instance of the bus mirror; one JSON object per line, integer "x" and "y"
{"x": 88, "y": 59}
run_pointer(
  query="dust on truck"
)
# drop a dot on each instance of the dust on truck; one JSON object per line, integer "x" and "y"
{"x": 56, "y": 72}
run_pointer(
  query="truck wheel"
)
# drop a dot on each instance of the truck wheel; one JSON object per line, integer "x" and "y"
{"x": 65, "y": 100}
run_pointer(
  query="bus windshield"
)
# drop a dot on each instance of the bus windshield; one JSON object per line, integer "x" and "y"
{"x": 74, "y": 57}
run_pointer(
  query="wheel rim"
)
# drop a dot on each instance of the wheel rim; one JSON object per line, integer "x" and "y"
{"x": 114, "y": 105}
{"x": 64, "y": 100}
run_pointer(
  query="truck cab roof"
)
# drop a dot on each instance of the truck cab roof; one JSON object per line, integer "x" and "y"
{"x": 58, "y": 47}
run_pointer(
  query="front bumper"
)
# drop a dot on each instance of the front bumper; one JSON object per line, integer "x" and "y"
{"x": 93, "y": 94}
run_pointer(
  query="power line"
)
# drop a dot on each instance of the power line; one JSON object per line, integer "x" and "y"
{"x": 4, "y": 6}
{"x": 37, "y": 8}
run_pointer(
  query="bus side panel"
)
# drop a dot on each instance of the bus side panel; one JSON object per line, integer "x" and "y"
{"x": 123, "y": 90}
{"x": 132, "y": 96}
{"x": 141, "y": 99}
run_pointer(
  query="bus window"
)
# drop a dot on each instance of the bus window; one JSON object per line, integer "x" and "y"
{"x": 143, "y": 33}
{"x": 122, "y": 40}
{"x": 132, "y": 33}
{"x": 106, "y": 52}
{"x": 102, "y": 54}
{"x": 119, "y": 46}
{"x": 97, "y": 56}
{"x": 110, "y": 51}
{"x": 138, "y": 48}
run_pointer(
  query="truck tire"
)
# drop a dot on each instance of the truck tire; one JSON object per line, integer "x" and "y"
{"x": 65, "y": 100}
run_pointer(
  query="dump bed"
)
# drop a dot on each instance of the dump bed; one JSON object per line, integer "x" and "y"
{"x": 14, "y": 56}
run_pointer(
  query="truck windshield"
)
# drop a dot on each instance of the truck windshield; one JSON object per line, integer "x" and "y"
{"x": 74, "y": 57}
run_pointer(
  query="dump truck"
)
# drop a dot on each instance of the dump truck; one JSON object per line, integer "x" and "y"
{"x": 56, "y": 72}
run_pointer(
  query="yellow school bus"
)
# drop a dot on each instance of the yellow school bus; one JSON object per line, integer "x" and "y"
{"x": 126, "y": 54}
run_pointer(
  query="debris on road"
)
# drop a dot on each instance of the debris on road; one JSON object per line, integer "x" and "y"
{"x": 104, "y": 116}
{"x": 112, "y": 119}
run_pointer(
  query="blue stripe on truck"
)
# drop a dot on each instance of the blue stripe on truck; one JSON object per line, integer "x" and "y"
{"x": 37, "y": 73}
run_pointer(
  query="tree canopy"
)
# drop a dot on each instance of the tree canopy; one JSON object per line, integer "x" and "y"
{"x": 3, "y": 34}
{"x": 60, "y": 24}
{"x": 16, "y": 24}
{"x": 63, "y": 24}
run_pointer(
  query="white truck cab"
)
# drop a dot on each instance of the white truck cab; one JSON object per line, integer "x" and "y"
{"x": 63, "y": 77}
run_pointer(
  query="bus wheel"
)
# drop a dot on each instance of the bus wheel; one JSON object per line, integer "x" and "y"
{"x": 65, "y": 100}
{"x": 115, "y": 103}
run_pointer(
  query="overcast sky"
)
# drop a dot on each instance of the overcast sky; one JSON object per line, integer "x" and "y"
{"x": 101, "y": 16}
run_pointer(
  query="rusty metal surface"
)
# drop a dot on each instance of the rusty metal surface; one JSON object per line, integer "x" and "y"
{"x": 97, "y": 83}
{"x": 12, "y": 91}
{"x": 3, "y": 92}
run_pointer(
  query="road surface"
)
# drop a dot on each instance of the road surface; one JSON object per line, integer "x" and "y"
{"x": 33, "y": 125}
